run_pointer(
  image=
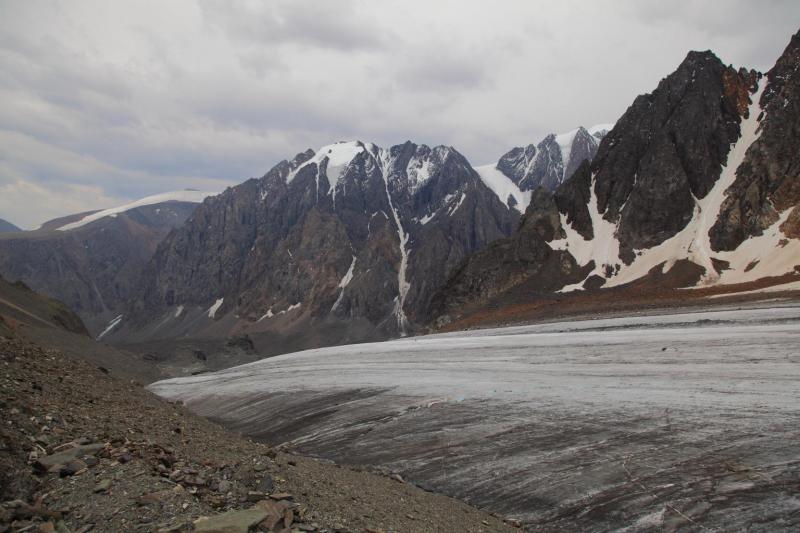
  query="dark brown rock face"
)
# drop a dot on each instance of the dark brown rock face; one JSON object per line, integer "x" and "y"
{"x": 354, "y": 232}
{"x": 768, "y": 182}
{"x": 92, "y": 268}
{"x": 668, "y": 148}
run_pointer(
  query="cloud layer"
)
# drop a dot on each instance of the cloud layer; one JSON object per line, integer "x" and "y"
{"x": 102, "y": 102}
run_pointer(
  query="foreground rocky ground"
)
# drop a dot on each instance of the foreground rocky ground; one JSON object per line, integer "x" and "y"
{"x": 81, "y": 450}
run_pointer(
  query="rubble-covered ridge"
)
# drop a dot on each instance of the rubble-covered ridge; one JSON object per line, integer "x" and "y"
{"x": 82, "y": 451}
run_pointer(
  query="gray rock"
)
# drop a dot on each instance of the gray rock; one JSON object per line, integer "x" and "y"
{"x": 231, "y": 522}
{"x": 55, "y": 461}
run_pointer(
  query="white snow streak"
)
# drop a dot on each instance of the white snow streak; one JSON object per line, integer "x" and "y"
{"x": 455, "y": 208}
{"x": 345, "y": 281}
{"x": 402, "y": 284}
{"x": 111, "y": 325}
{"x": 212, "y": 311}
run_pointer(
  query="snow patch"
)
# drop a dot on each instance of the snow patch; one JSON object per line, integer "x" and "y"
{"x": 339, "y": 156}
{"x": 603, "y": 248}
{"x": 564, "y": 141}
{"x": 111, "y": 325}
{"x": 268, "y": 314}
{"x": 178, "y": 311}
{"x": 502, "y": 186}
{"x": 174, "y": 196}
{"x": 212, "y": 311}
{"x": 419, "y": 172}
{"x": 769, "y": 254}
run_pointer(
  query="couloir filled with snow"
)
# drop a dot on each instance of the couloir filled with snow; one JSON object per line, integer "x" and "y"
{"x": 546, "y": 422}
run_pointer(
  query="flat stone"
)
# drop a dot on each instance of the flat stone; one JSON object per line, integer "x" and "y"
{"x": 50, "y": 463}
{"x": 231, "y": 522}
{"x": 255, "y": 496}
{"x": 103, "y": 485}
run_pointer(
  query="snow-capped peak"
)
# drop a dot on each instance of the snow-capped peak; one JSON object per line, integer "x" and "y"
{"x": 564, "y": 141}
{"x": 188, "y": 195}
{"x": 338, "y": 155}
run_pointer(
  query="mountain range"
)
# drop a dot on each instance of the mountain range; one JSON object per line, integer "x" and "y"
{"x": 695, "y": 186}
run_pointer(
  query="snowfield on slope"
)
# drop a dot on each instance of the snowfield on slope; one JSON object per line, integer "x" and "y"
{"x": 546, "y": 422}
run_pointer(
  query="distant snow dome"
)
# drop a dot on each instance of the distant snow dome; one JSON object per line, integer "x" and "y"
{"x": 188, "y": 195}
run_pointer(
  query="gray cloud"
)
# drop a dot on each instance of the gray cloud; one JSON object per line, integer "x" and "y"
{"x": 106, "y": 101}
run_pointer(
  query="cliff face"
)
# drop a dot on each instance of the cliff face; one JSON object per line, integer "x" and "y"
{"x": 354, "y": 233}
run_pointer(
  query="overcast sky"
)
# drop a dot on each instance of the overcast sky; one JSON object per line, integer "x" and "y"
{"x": 102, "y": 102}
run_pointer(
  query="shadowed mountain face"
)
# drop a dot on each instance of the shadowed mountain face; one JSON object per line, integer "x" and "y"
{"x": 353, "y": 234}
{"x": 8, "y": 227}
{"x": 91, "y": 268}
{"x": 697, "y": 181}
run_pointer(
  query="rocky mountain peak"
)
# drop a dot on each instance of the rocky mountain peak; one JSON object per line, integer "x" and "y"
{"x": 668, "y": 149}
{"x": 696, "y": 185}
{"x": 553, "y": 160}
